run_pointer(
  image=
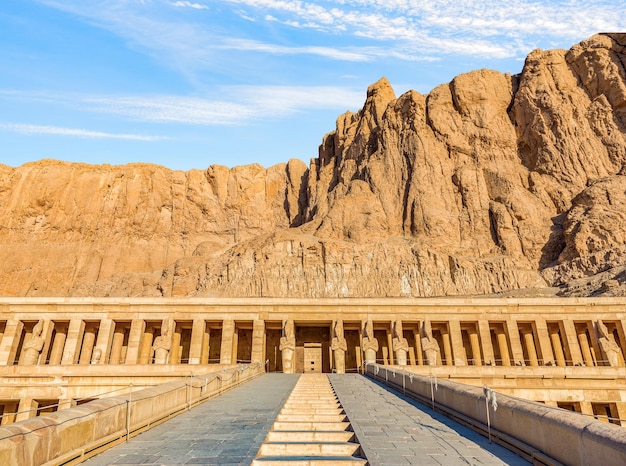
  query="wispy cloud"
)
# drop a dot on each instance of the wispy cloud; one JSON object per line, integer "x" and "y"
{"x": 235, "y": 105}
{"x": 196, "y": 6}
{"x": 75, "y": 132}
{"x": 355, "y": 55}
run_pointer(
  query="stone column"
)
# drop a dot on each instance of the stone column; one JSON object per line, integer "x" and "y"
{"x": 503, "y": 345}
{"x": 89, "y": 340}
{"x": 530, "y": 346}
{"x": 198, "y": 331}
{"x": 258, "y": 341}
{"x": 419, "y": 358}
{"x": 557, "y": 347}
{"x": 103, "y": 344}
{"x": 56, "y": 353}
{"x": 137, "y": 327}
{"x": 571, "y": 336}
{"x": 456, "y": 339}
{"x": 516, "y": 345}
{"x": 543, "y": 337}
{"x": 475, "y": 344}
{"x": 584, "y": 347}
{"x": 226, "y": 350}
{"x": 10, "y": 342}
{"x": 71, "y": 352}
{"x": 146, "y": 355}
{"x": 447, "y": 347}
{"x": 26, "y": 409}
{"x": 116, "y": 347}
{"x": 485, "y": 339}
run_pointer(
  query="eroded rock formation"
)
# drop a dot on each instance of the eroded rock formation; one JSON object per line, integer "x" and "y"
{"x": 491, "y": 183}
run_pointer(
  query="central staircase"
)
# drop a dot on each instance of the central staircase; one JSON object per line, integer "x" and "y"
{"x": 311, "y": 429}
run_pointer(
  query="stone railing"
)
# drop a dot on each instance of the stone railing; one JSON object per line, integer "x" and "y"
{"x": 72, "y": 435}
{"x": 542, "y": 434}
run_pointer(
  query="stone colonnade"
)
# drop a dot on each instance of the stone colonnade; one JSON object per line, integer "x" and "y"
{"x": 298, "y": 335}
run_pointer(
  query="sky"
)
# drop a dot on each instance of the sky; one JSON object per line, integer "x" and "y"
{"x": 190, "y": 83}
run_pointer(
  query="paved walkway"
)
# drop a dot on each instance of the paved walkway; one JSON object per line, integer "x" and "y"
{"x": 395, "y": 430}
{"x": 228, "y": 429}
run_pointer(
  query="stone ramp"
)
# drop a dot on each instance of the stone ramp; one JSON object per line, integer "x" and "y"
{"x": 395, "y": 430}
{"x": 311, "y": 429}
{"x": 225, "y": 430}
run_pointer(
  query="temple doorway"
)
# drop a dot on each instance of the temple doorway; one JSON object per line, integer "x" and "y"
{"x": 313, "y": 353}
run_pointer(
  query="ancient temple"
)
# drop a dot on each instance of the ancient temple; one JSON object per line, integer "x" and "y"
{"x": 57, "y": 352}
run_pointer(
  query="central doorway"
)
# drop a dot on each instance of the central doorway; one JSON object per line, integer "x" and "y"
{"x": 313, "y": 352}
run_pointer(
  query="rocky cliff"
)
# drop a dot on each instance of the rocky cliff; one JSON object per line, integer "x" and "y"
{"x": 491, "y": 183}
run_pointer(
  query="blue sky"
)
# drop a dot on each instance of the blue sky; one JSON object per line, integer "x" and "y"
{"x": 187, "y": 84}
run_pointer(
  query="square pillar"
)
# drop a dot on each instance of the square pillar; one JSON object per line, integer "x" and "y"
{"x": 516, "y": 344}
{"x": 485, "y": 341}
{"x": 137, "y": 328}
{"x": 228, "y": 337}
{"x": 198, "y": 334}
{"x": 10, "y": 342}
{"x": 104, "y": 341}
{"x": 258, "y": 341}
{"x": 73, "y": 342}
{"x": 456, "y": 339}
{"x": 543, "y": 337}
{"x": 571, "y": 337}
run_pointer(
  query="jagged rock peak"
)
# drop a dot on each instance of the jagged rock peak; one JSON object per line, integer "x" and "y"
{"x": 490, "y": 183}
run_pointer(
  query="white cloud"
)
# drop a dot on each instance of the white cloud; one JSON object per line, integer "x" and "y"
{"x": 83, "y": 133}
{"x": 354, "y": 55}
{"x": 185, "y": 4}
{"x": 229, "y": 105}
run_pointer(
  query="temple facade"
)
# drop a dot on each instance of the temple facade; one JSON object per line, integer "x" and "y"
{"x": 564, "y": 352}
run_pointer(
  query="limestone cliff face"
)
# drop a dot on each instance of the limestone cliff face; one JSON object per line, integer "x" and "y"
{"x": 491, "y": 183}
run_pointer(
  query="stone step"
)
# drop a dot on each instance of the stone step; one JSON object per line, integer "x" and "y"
{"x": 309, "y": 461}
{"x": 310, "y": 449}
{"x": 308, "y": 410}
{"x": 312, "y": 417}
{"x": 312, "y": 436}
{"x": 312, "y": 426}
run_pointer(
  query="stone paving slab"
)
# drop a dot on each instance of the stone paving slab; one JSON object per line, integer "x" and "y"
{"x": 396, "y": 430}
{"x": 226, "y": 430}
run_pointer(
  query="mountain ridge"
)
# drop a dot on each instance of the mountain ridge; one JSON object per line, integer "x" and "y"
{"x": 492, "y": 183}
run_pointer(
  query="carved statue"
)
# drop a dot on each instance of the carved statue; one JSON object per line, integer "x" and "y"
{"x": 33, "y": 347}
{"x": 608, "y": 345}
{"x": 163, "y": 343}
{"x": 96, "y": 356}
{"x": 288, "y": 346}
{"x": 400, "y": 344}
{"x": 429, "y": 344}
{"x": 339, "y": 347}
{"x": 370, "y": 344}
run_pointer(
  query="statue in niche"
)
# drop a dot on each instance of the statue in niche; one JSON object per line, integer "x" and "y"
{"x": 339, "y": 347}
{"x": 608, "y": 344}
{"x": 429, "y": 344}
{"x": 288, "y": 346}
{"x": 33, "y": 347}
{"x": 163, "y": 344}
{"x": 96, "y": 356}
{"x": 370, "y": 344}
{"x": 399, "y": 343}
